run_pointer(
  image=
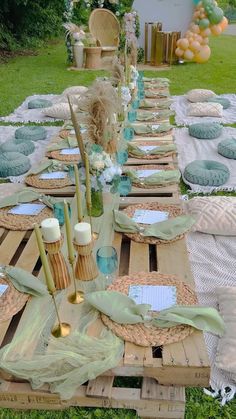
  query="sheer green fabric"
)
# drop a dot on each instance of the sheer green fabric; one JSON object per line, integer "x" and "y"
{"x": 150, "y": 128}
{"x": 123, "y": 310}
{"x": 24, "y": 196}
{"x": 164, "y": 177}
{"x": 68, "y": 142}
{"x": 161, "y": 149}
{"x": 165, "y": 230}
{"x": 23, "y": 281}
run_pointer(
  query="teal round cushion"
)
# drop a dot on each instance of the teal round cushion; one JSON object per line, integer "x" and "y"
{"x": 222, "y": 100}
{"x": 20, "y": 145}
{"x": 205, "y": 130}
{"x": 227, "y": 148}
{"x": 31, "y": 133}
{"x": 39, "y": 103}
{"x": 206, "y": 173}
{"x": 13, "y": 164}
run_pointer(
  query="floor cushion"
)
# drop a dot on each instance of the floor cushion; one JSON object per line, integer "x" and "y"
{"x": 205, "y": 109}
{"x": 227, "y": 148}
{"x": 13, "y": 164}
{"x": 39, "y": 103}
{"x": 20, "y": 145}
{"x": 199, "y": 95}
{"x": 222, "y": 100}
{"x": 206, "y": 173}
{"x": 205, "y": 130}
{"x": 31, "y": 133}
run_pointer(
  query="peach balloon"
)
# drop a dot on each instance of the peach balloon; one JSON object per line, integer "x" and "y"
{"x": 183, "y": 43}
{"x": 179, "y": 52}
{"x": 188, "y": 55}
{"x": 198, "y": 39}
{"x": 224, "y": 23}
{"x": 205, "y": 32}
{"x": 195, "y": 46}
{"x": 203, "y": 55}
{"x": 196, "y": 29}
{"x": 177, "y": 43}
{"x": 216, "y": 30}
{"x": 205, "y": 41}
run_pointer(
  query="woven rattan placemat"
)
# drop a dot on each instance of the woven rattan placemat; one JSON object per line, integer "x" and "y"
{"x": 12, "y": 300}
{"x": 147, "y": 335}
{"x": 36, "y": 182}
{"x": 22, "y": 222}
{"x": 174, "y": 211}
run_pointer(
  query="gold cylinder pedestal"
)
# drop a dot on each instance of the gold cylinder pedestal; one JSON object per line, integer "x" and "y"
{"x": 85, "y": 268}
{"x": 58, "y": 264}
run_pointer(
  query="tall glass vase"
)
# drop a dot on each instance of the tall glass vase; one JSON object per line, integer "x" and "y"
{"x": 97, "y": 202}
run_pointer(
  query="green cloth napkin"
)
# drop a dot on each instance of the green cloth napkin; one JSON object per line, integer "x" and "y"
{"x": 164, "y": 177}
{"x": 123, "y": 310}
{"x": 163, "y": 104}
{"x": 68, "y": 142}
{"x": 164, "y": 230}
{"x": 150, "y": 94}
{"x": 140, "y": 129}
{"x": 48, "y": 166}
{"x": 25, "y": 282}
{"x": 148, "y": 116}
{"x": 156, "y": 79}
{"x": 24, "y": 196}
{"x": 156, "y": 84}
{"x": 162, "y": 149}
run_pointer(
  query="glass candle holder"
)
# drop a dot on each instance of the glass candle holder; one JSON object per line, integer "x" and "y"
{"x": 135, "y": 104}
{"x": 140, "y": 84}
{"x": 132, "y": 115}
{"x": 58, "y": 211}
{"x": 128, "y": 133}
{"x": 141, "y": 94}
{"x": 140, "y": 75}
{"x": 125, "y": 185}
{"x": 107, "y": 261}
{"x": 122, "y": 157}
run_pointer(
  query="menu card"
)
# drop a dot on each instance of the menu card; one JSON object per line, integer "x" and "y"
{"x": 27, "y": 209}
{"x": 53, "y": 175}
{"x": 150, "y": 216}
{"x": 159, "y": 297}
{"x": 68, "y": 151}
{"x": 3, "y": 288}
{"x": 146, "y": 173}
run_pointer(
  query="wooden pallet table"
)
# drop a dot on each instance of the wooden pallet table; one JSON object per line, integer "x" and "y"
{"x": 160, "y": 373}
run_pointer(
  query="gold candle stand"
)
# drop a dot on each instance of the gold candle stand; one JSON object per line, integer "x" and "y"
{"x": 58, "y": 264}
{"x": 60, "y": 330}
{"x": 85, "y": 268}
{"x": 76, "y": 297}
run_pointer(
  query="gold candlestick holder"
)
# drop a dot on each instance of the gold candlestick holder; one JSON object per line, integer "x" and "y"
{"x": 58, "y": 264}
{"x": 76, "y": 297}
{"x": 60, "y": 330}
{"x": 94, "y": 235}
{"x": 85, "y": 268}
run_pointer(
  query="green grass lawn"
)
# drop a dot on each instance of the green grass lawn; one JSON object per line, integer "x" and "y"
{"x": 47, "y": 73}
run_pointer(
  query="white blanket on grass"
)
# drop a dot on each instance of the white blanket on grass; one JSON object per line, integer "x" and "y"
{"x": 190, "y": 148}
{"x": 8, "y": 133}
{"x": 180, "y": 105}
{"x": 23, "y": 114}
{"x": 213, "y": 265}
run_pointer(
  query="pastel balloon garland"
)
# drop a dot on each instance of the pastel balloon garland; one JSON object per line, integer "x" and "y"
{"x": 208, "y": 19}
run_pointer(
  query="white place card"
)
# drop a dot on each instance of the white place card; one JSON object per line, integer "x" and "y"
{"x": 146, "y": 173}
{"x": 154, "y": 127}
{"x": 155, "y": 114}
{"x": 83, "y": 130}
{"x": 159, "y": 297}
{"x": 3, "y": 288}
{"x": 148, "y": 148}
{"x": 27, "y": 209}
{"x": 69, "y": 151}
{"x": 53, "y": 175}
{"x": 150, "y": 216}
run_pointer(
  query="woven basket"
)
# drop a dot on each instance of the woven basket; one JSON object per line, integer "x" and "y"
{"x": 141, "y": 184}
{"x": 22, "y": 222}
{"x": 147, "y": 335}
{"x": 36, "y": 182}
{"x": 12, "y": 301}
{"x": 174, "y": 211}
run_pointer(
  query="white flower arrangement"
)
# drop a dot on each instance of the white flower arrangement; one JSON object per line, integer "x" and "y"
{"x": 125, "y": 95}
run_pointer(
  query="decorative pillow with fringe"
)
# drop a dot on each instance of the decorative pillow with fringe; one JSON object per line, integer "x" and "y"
{"x": 59, "y": 111}
{"x": 205, "y": 109}
{"x": 74, "y": 90}
{"x": 213, "y": 214}
{"x": 199, "y": 95}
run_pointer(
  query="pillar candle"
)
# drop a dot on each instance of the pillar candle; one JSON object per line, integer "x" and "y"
{"x": 78, "y": 194}
{"x": 88, "y": 183}
{"x": 47, "y": 273}
{"x": 51, "y": 230}
{"x": 70, "y": 247}
{"x": 82, "y": 232}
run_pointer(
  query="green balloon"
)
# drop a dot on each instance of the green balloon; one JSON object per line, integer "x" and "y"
{"x": 204, "y": 23}
{"x": 216, "y": 16}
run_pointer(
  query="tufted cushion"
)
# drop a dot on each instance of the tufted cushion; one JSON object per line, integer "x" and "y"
{"x": 206, "y": 173}
{"x": 20, "y": 145}
{"x": 205, "y": 130}
{"x": 205, "y": 109}
{"x": 39, "y": 103}
{"x": 199, "y": 95}
{"x": 73, "y": 99}
{"x": 75, "y": 90}
{"x": 222, "y": 100}
{"x": 60, "y": 111}
{"x": 227, "y": 148}
{"x": 13, "y": 164}
{"x": 213, "y": 214}
{"x": 31, "y": 133}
